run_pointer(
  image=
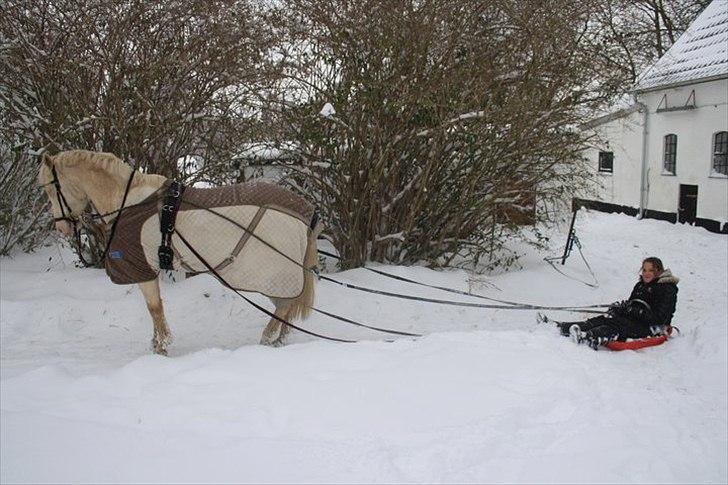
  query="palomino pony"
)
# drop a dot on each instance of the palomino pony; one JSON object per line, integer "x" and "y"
{"x": 227, "y": 235}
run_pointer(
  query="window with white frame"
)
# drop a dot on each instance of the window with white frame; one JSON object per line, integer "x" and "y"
{"x": 720, "y": 153}
{"x": 606, "y": 162}
{"x": 669, "y": 159}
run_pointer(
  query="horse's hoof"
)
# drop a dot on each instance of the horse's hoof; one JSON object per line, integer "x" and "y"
{"x": 159, "y": 348}
{"x": 272, "y": 343}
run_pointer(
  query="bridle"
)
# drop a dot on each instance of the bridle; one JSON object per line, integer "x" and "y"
{"x": 62, "y": 202}
{"x": 67, "y": 214}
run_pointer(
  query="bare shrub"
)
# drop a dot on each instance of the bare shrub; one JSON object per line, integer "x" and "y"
{"x": 152, "y": 82}
{"x": 453, "y": 120}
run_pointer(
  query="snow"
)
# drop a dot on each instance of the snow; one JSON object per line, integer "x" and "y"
{"x": 485, "y": 396}
{"x": 328, "y": 110}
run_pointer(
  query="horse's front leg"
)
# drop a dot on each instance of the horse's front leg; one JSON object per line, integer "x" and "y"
{"x": 162, "y": 337}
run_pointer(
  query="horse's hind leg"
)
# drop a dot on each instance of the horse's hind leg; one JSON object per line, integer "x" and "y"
{"x": 285, "y": 330}
{"x": 294, "y": 308}
{"x": 272, "y": 331}
{"x": 162, "y": 337}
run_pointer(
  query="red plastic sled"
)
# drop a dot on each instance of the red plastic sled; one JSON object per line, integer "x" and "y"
{"x": 641, "y": 342}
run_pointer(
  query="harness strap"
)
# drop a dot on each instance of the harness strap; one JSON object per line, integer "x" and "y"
{"x": 243, "y": 240}
{"x": 62, "y": 202}
{"x": 315, "y": 218}
{"x": 120, "y": 210}
{"x": 167, "y": 218}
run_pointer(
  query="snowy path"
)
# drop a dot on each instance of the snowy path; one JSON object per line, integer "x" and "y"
{"x": 486, "y": 396}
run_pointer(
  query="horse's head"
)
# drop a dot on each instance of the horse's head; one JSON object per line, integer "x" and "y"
{"x": 67, "y": 200}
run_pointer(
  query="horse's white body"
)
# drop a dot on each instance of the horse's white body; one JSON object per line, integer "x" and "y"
{"x": 100, "y": 178}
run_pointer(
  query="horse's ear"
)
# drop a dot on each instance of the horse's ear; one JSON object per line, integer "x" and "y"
{"x": 47, "y": 160}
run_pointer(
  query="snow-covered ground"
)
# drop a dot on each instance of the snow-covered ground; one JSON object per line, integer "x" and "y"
{"x": 485, "y": 396}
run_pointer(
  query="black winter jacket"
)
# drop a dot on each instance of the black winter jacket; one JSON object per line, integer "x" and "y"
{"x": 660, "y": 296}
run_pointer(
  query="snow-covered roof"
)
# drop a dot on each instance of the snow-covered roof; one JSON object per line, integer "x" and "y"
{"x": 612, "y": 115}
{"x": 266, "y": 151}
{"x": 701, "y": 53}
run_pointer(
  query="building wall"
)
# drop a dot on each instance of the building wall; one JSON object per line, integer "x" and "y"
{"x": 694, "y": 129}
{"x": 623, "y": 137}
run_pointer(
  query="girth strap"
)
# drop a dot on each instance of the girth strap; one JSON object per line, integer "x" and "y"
{"x": 167, "y": 217}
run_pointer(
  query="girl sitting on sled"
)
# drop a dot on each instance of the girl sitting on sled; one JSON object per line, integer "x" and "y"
{"x": 647, "y": 312}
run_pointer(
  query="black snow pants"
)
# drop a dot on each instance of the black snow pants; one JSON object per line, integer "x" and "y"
{"x": 616, "y": 328}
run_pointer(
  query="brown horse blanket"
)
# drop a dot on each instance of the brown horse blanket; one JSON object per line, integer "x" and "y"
{"x": 274, "y": 214}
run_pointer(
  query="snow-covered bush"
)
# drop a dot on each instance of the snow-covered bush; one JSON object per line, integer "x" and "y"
{"x": 24, "y": 218}
{"x": 425, "y": 130}
{"x": 432, "y": 131}
{"x": 150, "y": 82}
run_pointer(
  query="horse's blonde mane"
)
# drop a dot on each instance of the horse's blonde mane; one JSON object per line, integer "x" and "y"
{"x": 98, "y": 166}
{"x": 100, "y": 176}
{"x": 93, "y": 161}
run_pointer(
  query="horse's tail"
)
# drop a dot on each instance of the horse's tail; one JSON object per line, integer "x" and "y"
{"x": 301, "y": 306}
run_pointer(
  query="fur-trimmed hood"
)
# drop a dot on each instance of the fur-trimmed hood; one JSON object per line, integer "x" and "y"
{"x": 668, "y": 277}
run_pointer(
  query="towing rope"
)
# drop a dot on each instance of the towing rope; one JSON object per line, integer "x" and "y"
{"x": 512, "y": 305}
{"x": 505, "y": 304}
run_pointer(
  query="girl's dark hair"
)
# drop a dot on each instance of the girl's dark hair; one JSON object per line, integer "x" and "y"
{"x": 655, "y": 262}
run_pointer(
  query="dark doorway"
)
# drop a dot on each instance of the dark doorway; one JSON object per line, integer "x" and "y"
{"x": 687, "y": 211}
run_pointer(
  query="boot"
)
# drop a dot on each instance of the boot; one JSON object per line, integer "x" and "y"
{"x": 599, "y": 336}
{"x": 564, "y": 328}
{"x": 576, "y": 334}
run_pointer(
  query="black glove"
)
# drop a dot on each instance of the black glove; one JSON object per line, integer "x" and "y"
{"x": 618, "y": 309}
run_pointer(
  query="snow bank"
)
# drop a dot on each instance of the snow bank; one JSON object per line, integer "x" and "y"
{"x": 485, "y": 396}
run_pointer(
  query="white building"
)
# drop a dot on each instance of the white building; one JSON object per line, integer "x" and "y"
{"x": 271, "y": 161}
{"x": 665, "y": 154}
